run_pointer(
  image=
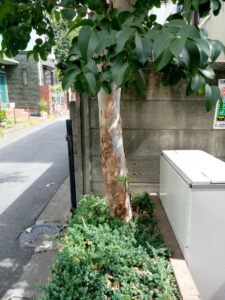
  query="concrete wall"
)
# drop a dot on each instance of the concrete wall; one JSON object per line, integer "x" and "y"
{"x": 23, "y": 95}
{"x": 167, "y": 119}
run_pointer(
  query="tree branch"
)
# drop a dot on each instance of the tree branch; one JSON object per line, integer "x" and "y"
{"x": 104, "y": 4}
{"x": 67, "y": 6}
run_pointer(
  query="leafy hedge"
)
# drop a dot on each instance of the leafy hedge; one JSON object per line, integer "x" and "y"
{"x": 102, "y": 258}
{"x": 2, "y": 115}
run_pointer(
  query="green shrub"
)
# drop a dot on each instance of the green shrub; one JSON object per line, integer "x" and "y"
{"x": 31, "y": 122}
{"x": 9, "y": 122}
{"x": 42, "y": 105}
{"x": 2, "y": 115}
{"x": 103, "y": 258}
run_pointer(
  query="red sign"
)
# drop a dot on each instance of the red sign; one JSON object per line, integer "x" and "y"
{"x": 223, "y": 91}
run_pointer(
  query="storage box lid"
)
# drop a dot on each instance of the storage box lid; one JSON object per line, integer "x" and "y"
{"x": 196, "y": 167}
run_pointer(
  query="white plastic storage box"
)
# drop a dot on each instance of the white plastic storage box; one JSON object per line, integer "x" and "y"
{"x": 192, "y": 191}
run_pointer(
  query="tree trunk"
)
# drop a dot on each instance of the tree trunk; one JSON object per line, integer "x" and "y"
{"x": 124, "y": 4}
{"x": 112, "y": 154}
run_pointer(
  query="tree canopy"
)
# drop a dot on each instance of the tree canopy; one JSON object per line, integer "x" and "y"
{"x": 114, "y": 45}
{"x": 62, "y": 43}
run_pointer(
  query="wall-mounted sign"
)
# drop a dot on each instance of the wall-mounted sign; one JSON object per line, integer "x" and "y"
{"x": 219, "y": 120}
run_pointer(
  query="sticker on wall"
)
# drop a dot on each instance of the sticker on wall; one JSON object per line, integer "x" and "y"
{"x": 219, "y": 120}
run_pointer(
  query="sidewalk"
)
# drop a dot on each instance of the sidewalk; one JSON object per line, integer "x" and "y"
{"x": 38, "y": 268}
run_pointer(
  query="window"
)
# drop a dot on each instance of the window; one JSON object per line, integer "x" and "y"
{"x": 25, "y": 77}
{"x": 48, "y": 76}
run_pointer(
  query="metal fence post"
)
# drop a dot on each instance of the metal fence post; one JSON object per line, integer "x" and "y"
{"x": 69, "y": 139}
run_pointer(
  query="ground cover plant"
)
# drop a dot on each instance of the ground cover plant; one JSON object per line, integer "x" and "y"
{"x": 104, "y": 258}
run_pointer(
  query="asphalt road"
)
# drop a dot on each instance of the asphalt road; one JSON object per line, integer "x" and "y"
{"x": 29, "y": 160}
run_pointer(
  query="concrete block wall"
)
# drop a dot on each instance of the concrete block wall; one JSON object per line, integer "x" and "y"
{"x": 167, "y": 119}
{"x": 24, "y": 96}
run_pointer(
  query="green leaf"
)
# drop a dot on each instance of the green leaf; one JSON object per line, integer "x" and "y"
{"x": 83, "y": 41}
{"x": 161, "y": 43}
{"x": 139, "y": 88}
{"x": 57, "y": 15}
{"x": 107, "y": 87}
{"x": 74, "y": 50}
{"x": 143, "y": 48}
{"x": 126, "y": 18}
{"x": 94, "y": 4}
{"x": 204, "y": 9}
{"x": 39, "y": 41}
{"x": 201, "y": 90}
{"x": 176, "y": 46}
{"x": 120, "y": 179}
{"x": 203, "y": 45}
{"x": 69, "y": 78}
{"x": 195, "y": 4}
{"x": 163, "y": 60}
{"x": 142, "y": 75}
{"x": 120, "y": 73}
{"x": 208, "y": 72}
{"x": 95, "y": 45}
{"x": 100, "y": 40}
{"x": 68, "y": 13}
{"x": 74, "y": 57}
{"x": 189, "y": 90}
{"x": 91, "y": 67}
{"x": 151, "y": 34}
{"x": 107, "y": 38}
{"x": 212, "y": 95}
{"x": 194, "y": 55}
{"x": 79, "y": 23}
{"x": 197, "y": 82}
{"x": 28, "y": 230}
{"x": 107, "y": 76}
{"x": 29, "y": 53}
{"x": 216, "y": 49}
{"x": 91, "y": 83}
{"x": 122, "y": 37}
{"x": 78, "y": 86}
{"x": 204, "y": 33}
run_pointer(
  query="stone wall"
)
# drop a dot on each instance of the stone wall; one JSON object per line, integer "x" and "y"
{"x": 167, "y": 119}
{"x": 24, "y": 96}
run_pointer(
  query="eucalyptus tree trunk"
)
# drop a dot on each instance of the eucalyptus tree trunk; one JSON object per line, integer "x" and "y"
{"x": 112, "y": 149}
{"x": 112, "y": 154}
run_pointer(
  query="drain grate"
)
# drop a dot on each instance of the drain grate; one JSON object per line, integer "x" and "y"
{"x": 38, "y": 236}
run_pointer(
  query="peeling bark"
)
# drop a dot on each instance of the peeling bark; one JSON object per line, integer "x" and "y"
{"x": 112, "y": 154}
{"x": 124, "y": 4}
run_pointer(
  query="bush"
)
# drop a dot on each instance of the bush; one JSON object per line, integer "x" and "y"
{"x": 31, "y": 123}
{"x": 42, "y": 105}
{"x": 9, "y": 122}
{"x": 103, "y": 258}
{"x": 2, "y": 115}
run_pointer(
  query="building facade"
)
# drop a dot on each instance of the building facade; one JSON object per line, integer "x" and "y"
{"x": 21, "y": 79}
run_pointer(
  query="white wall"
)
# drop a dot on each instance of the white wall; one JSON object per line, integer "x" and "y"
{"x": 166, "y": 9}
{"x": 216, "y": 29}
